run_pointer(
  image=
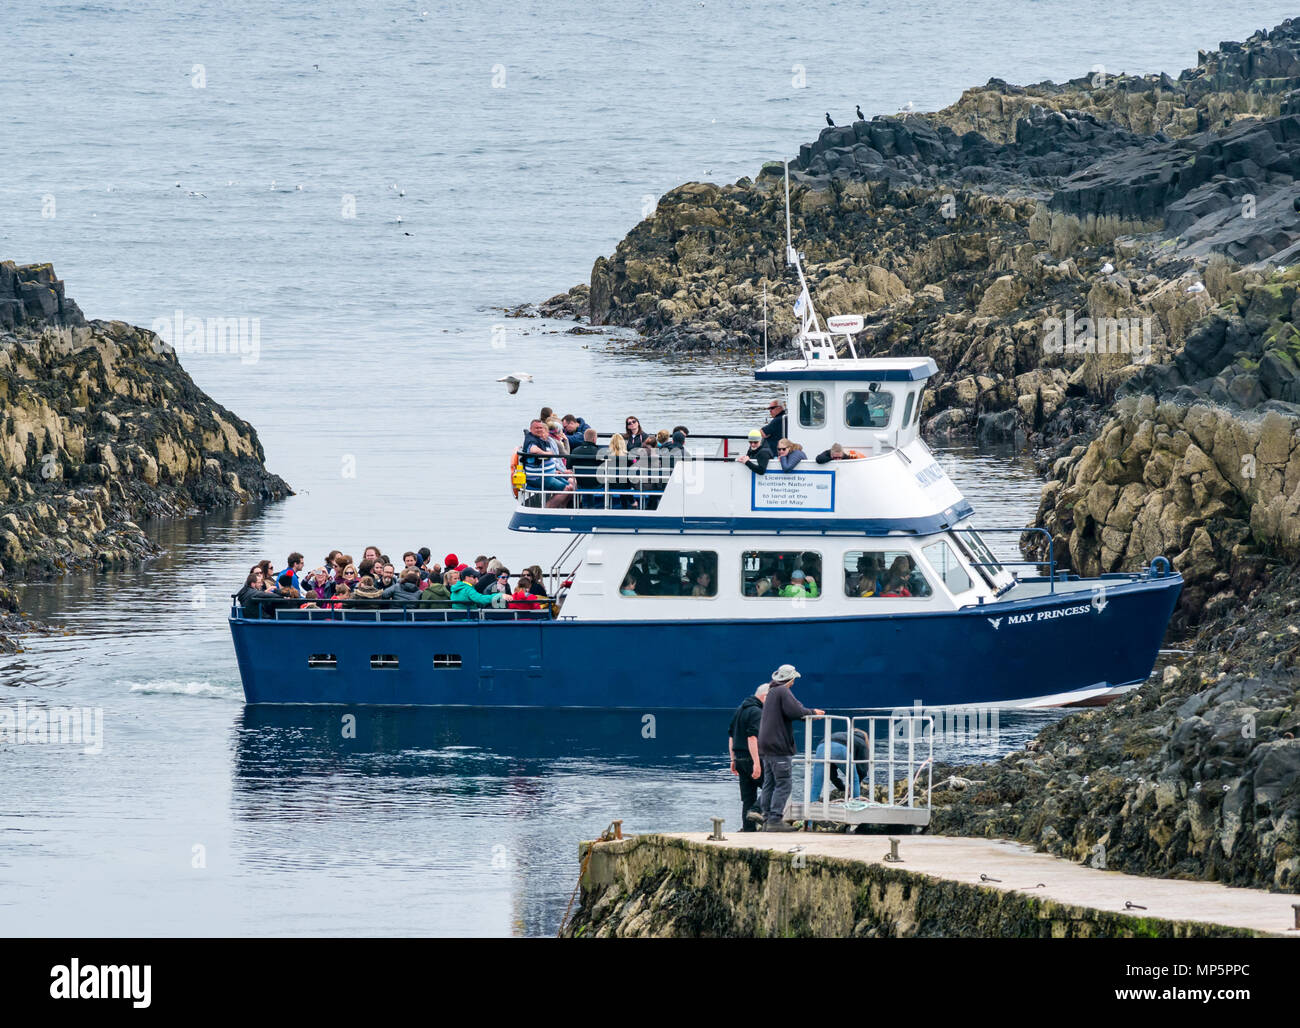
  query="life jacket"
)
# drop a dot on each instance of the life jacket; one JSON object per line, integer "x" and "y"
{"x": 517, "y": 477}
{"x": 854, "y": 455}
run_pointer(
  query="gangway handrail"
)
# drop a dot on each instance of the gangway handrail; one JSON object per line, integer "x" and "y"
{"x": 854, "y": 809}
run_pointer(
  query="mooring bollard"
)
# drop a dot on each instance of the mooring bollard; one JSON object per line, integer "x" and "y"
{"x": 1296, "y": 908}
{"x": 892, "y": 856}
{"x": 717, "y": 835}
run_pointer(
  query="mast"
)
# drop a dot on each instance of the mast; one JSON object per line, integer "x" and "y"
{"x": 804, "y": 305}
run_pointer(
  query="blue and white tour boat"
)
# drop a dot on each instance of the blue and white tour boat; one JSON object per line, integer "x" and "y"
{"x": 685, "y": 580}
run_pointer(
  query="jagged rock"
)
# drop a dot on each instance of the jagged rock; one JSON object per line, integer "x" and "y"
{"x": 101, "y": 427}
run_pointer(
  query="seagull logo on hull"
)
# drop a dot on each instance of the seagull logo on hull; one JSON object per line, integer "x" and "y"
{"x": 995, "y": 622}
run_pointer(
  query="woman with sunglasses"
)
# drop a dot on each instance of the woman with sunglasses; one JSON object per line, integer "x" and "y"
{"x": 634, "y": 436}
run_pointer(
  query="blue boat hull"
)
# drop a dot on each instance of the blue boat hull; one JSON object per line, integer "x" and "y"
{"x": 1048, "y": 645}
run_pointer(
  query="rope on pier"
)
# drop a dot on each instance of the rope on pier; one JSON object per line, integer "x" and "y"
{"x": 610, "y": 834}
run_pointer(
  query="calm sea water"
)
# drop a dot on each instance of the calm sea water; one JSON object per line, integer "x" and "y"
{"x": 208, "y": 160}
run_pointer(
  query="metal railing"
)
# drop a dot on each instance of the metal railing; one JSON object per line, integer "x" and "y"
{"x": 999, "y": 564}
{"x": 307, "y": 609}
{"x": 880, "y": 784}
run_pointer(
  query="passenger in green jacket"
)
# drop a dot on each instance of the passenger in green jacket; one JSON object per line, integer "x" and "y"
{"x": 465, "y": 597}
{"x": 437, "y": 595}
{"x": 801, "y": 585}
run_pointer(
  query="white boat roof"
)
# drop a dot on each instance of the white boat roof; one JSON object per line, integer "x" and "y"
{"x": 862, "y": 369}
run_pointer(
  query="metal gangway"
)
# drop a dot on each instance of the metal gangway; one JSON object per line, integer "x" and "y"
{"x": 884, "y": 759}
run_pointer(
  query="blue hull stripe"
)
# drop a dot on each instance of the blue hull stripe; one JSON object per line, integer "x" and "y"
{"x": 579, "y": 521}
{"x": 1054, "y": 644}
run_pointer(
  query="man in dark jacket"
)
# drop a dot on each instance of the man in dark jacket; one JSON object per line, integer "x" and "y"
{"x": 756, "y": 457}
{"x": 574, "y": 429}
{"x": 583, "y": 459}
{"x": 776, "y": 746}
{"x": 742, "y": 742}
{"x": 774, "y": 431}
{"x": 407, "y": 590}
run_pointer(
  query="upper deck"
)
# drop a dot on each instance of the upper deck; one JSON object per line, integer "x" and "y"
{"x": 870, "y": 406}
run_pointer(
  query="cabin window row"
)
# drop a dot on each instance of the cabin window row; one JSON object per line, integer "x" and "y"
{"x": 864, "y": 408}
{"x": 793, "y": 574}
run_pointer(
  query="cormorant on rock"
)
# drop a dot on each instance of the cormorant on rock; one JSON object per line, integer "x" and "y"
{"x": 861, "y": 116}
{"x": 828, "y": 120}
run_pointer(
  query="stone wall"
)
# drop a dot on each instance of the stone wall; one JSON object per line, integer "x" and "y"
{"x": 658, "y": 887}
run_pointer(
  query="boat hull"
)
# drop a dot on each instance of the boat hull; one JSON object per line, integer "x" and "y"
{"x": 1061, "y": 647}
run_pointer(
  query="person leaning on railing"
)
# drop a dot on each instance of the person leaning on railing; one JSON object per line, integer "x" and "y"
{"x": 837, "y": 452}
{"x": 542, "y": 466}
{"x": 253, "y": 597}
{"x": 756, "y": 457}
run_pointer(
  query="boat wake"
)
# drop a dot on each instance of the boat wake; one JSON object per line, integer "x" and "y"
{"x": 171, "y": 687}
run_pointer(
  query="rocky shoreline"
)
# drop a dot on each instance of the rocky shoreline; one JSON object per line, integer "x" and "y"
{"x": 1101, "y": 271}
{"x": 102, "y": 429}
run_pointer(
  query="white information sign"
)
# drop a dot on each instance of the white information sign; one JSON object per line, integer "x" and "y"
{"x": 812, "y": 491}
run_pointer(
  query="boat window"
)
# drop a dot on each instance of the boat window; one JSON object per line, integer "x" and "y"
{"x": 884, "y": 574}
{"x": 907, "y": 408}
{"x": 383, "y": 661}
{"x": 920, "y": 393}
{"x": 322, "y": 661}
{"x": 812, "y": 408}
{"x": 671, "y": 573}
{"x": 787, "y": 574}
{"x": 948, "y": 567}
{"x": 981, "y": 555}
{"x": 441, "y": 660}
{"x": 868, "y": 408}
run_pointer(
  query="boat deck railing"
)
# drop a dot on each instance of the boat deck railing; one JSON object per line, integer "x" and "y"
{"x": 620, "y": 482}
{"x": 890, "y": 784}
{"x": 372, "y": 611}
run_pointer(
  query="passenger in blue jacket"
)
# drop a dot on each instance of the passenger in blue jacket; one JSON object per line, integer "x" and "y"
{"x": 575, "y": 429}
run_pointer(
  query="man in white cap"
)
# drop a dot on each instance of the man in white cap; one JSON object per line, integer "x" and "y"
{"x": 776, "y": 746}
{"x": 756, "y": 457}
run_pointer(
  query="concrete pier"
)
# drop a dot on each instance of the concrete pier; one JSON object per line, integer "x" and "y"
{"x": 823, "y": 884}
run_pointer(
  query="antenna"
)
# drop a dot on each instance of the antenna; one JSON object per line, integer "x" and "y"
{"x": 765, "y": 322}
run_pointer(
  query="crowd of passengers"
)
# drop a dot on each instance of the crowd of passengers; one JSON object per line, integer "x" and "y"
{"x": 418, "y": 582}
{"x": 562, "y": 460}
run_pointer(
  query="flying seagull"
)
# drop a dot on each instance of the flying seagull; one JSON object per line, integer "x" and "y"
{"x": 861, "y": 116}
{"x": 1107, "y": 268}
{"x": 828, "y": 120}
{"x": 512, "y": 381}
